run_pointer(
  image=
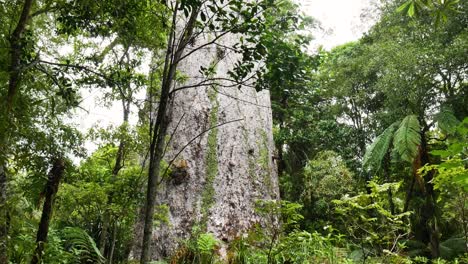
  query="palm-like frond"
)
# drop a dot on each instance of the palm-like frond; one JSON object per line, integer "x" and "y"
{"x": 452, "y": 247}
{"x": 376, "y": 152}
{"x": 407, "y": 138}
{"x": 83, "y": 245}
{"x": 447, "y": 121}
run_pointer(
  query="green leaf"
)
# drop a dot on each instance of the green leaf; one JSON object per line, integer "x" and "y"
{"x": 206, "y": 243}
{"x": 407, "y": 138}
{"x": 403, "y": 7}
{"x": 84, "y": 244}
{"x": 447, "y": 121}
{"x": 411, "y": 10}
{"x": 441, "y": 153}
{"x": 376, "y": 152}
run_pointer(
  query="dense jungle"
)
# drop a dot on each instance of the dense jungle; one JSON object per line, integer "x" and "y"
{"x": 233, "y": 140}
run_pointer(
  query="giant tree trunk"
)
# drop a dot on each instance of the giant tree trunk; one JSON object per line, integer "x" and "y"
{"x": 51, "y": 189}
{"x": 222, "y": 148}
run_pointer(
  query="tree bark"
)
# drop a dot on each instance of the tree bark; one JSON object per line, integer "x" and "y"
{"x": 14, "y": 68}
{"x": 160, "y": 127}
{"x": 3, "y": 217}
{"x": 16, "y": 50}
{"x": 113, "y": 240}
{"x": 409, "y": 194}
{"x": 51, "y": 189}
{"x": 429, "y": 215}
{"x": 386, "y": 169}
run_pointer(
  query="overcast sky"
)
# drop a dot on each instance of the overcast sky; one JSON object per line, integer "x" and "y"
{"x": 340, "y": 19}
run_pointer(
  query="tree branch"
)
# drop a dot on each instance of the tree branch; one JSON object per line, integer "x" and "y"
{"x": 190, "y": 142}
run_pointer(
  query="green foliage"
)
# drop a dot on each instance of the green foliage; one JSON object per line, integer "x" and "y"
{"x": 82, "y": 245}
{"x": 200, "y": 248}
{"x": 211, "y": 158}
{"x": 372, "y": 227}
{"x": 284, "y": 242}
{"x": 161, "y": 215}
{"x": 439, "y": 9}
{"x": 377, "y": 151}
{"x": 206, "y": 243}
{"x": 305, "y": 247}
{"x": 446, "y": 121}
{"x": 326, "y": 178}
{"x": 285, "y": 211}
{"x": 452, "y": 170}
{"x": 407, "y": 138}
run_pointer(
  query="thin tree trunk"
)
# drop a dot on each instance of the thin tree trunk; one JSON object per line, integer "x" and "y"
{"x": 112, "y": 248}
{"x": 15, "y": 70}
{"x": 409, "y": 194}
{"x": 279, "y": 146}
{"x": 115, "y": 172}
{"x": 157, "y": 148}
{"x": 105, "y": 227}
{"x": 429, "y": 216}
{"x": 462, "y": 204}
{"x": 16, "y": 50}
{"x": 51, "y": 189}
{"x": 386, "y": 169}
{"x": 3, "y": 217}
{"x": 126, "y": 97}
{"x": 160, "y": 127}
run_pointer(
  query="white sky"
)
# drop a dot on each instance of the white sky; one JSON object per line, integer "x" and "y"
{"x": 340, "y": 19}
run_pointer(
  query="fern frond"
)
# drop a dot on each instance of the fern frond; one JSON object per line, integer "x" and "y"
{"x": 407, "y": 138}
{"x": 83, "y": 244}
{"x": 376, "y": 152}
{"x": 452, "y": 247}
{"x": 446, "y": 121}
{"x": 206, "y": 243}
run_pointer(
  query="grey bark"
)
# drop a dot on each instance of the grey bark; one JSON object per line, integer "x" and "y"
{"x": 218, "y": 178}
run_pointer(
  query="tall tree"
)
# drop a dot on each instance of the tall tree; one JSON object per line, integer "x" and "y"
{"x": 208, "y": 22}
{"x": 16, "y": 51}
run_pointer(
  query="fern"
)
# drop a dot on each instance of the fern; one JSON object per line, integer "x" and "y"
{"x": 446, "y": 121}
{"x": 452, "y": 247}
{"x": 407, "y": 138}
{"x": 376, "y": 152}
{"x": 206, "y": 243}
{"x": 82, "y": 245}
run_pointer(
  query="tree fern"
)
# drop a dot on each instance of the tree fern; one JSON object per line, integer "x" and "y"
{"x": 376, "y": 152}
{"x": 407, "y": 138}
{"x": 452, "y": 247}
{"x": 446, "y": 121}
{"x": 82, "y": 245}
